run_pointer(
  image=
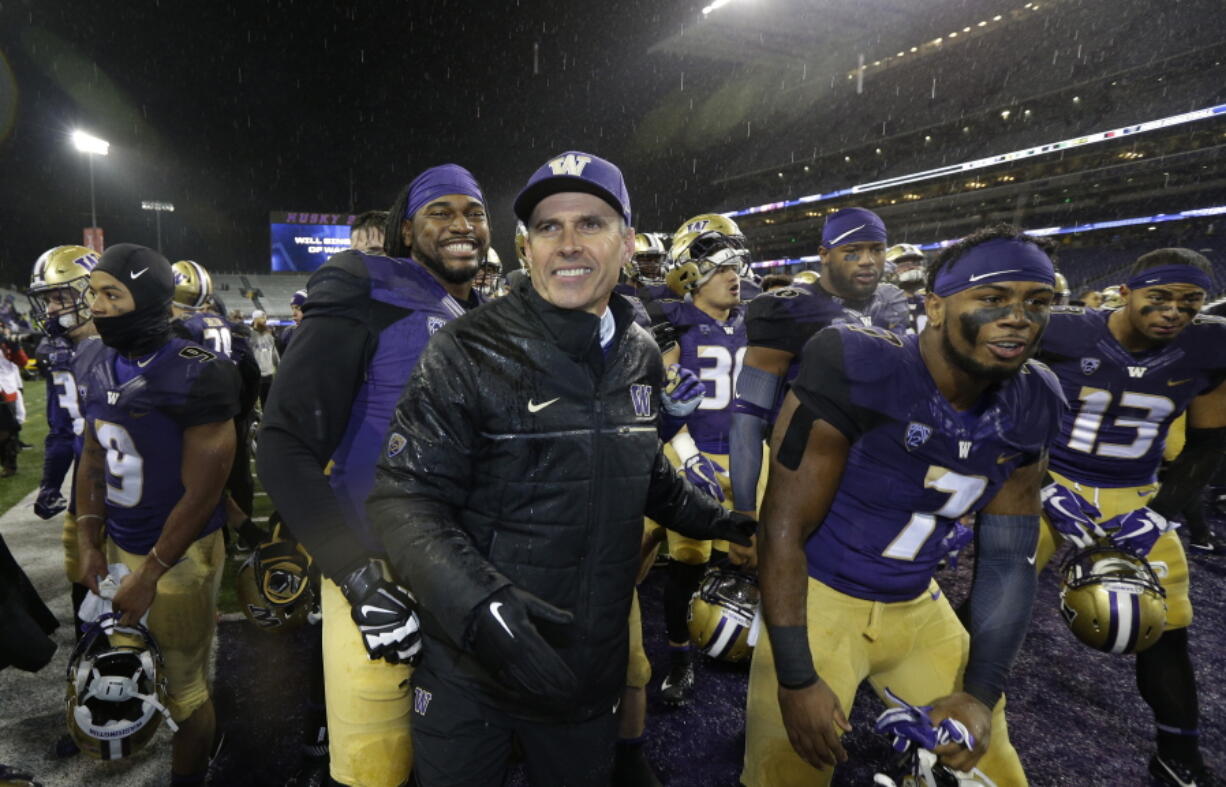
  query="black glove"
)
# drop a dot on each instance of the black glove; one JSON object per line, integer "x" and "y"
{"x": 509, "y": 646}
{"x": 384, "y": 614}
{"x": 49, "y": 502}
{"x": 735, "y": 527}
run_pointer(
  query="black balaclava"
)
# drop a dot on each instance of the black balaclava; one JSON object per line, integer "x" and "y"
{"x": 149, "y": 278}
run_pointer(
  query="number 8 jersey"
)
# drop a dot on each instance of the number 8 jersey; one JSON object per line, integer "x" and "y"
{"x": 139, "y": 410}
{"x": 1122, "y": 404}
{"x": 916, "y": 464}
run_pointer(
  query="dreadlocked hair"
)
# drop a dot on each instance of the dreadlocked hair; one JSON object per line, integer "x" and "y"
{"x": 393, "y": 242}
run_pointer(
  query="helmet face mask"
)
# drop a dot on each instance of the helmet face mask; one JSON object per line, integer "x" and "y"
{"x": 1112, "y": 601}
{"x": 722, "y": 613}
{"x": 649, "y": 263}
{"x": 696, "y": 258}
{"x": 57, "y": 291}
{"x": 116, "y": 694}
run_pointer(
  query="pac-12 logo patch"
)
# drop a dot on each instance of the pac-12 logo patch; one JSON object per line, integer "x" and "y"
{"x": 640, "y": 397}
{"x": 1090, "y": 365}
{"x": 917, "y": 435}
{"x": 395, "y": 444}
{"x": 433, "y": 324}
{"x": 421, "y": 701}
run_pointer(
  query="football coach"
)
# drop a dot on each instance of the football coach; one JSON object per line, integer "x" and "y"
{"x": 511, "y": 491}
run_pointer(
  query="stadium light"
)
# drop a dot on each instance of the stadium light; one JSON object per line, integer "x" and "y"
{"x": 88, "y": 143}
{"x": 91, "y": 146}
{"x": 716, "y": 5}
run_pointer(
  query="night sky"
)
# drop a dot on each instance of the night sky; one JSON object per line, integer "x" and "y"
{"x": 231, "y": 110}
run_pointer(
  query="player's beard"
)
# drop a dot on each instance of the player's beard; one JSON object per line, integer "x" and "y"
{"x": 966, "y": 363}
{"x": 449, "y": 275}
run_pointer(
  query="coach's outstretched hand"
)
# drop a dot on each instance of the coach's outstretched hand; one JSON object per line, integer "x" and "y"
{"x": 735, "y": 527}
{"x": 507, "y": 643}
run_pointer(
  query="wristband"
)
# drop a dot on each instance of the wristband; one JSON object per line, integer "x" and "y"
{"x": 154, "y": 552}
{"x": 793, "y": 660}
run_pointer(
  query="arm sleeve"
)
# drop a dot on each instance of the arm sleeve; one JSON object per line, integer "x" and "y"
{"x": 419, "y": 487}
{"x": 58, "y": 445}
{"x": 308, "y": 410}
{"x": 1001, "y": 599}
{"x": 756, "y": 394}
{"x": 213, "y": 396}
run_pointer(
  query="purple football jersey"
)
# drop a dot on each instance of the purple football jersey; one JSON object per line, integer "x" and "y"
{"x": 139, "y": 411}
{"x": 713, "y": 350}
{"x": 1122, "y": 404}
{"x": 916, "y": 464}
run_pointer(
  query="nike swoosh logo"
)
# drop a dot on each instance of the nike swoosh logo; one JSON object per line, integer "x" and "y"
{"x": 1055, "y": 503}
{"x": 494, "y": 605}
{"x": 979, "y": 276}
{"x": 1179, "y": 382}
{"x": 147, "y": 361}
{"x": 533, "y": 407}
{"x": 835, "y": 241}
{"x": 1000, "y": 460}
{"x": 137, "y": 274}
{"x": 936, "y": 594}
{"x": 1030, "y": 559}
{"x": 367, "y": 608}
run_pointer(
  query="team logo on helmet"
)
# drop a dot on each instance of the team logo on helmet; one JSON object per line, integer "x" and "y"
{"x": 1112, "y": 601}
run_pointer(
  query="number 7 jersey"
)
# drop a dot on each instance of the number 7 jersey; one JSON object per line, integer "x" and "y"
{"x": 915, "y": 464}
{"x": 1122, "y": 404}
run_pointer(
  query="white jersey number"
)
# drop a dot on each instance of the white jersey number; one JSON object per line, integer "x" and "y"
{"x": 66, "y": 393}
{"x": 219, "y": 340}
{"x": 722, "y": 375}
{"x": 1095, "y": 403}
{"x": 963, "y": 491}
{"x": 124, "y": 465}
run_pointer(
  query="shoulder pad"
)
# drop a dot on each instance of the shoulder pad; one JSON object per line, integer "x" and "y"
{"x": 1208, "y": 319}
{"x": 869, "y": 353}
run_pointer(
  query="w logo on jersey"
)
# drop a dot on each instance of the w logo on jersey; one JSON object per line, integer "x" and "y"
{"x": 112, "y": 397}
{"x": 570, "y": 164}
{"x": 640, "y": 397}
{"x": 917, "y": 435}
{"x": 1137, "y": 371}
{"x": 1090, "y": 365}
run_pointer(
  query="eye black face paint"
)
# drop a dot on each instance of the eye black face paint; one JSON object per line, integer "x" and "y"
{"x": 851, "y": 256}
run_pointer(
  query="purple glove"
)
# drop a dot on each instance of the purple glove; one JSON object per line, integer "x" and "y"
{"x": 49, "y": 503}
{"x": 704, "y": 474}
{"x": 958, "y": 536}
{"x": 683, "y": 391}
{"x": 1136, "y": 531}
{"x": 1071, "y": 515}
{"x": 910, "y": 725}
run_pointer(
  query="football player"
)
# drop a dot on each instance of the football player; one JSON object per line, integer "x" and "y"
{"x": 715, "y": 222}
{"x": 58, "y": 309}
{"x": 1129, "y": 373}
{"x": 709, "y": 330}
{"x": 778, "y": 325}
{"x": 882, "y": 444}
{"x": 367, "y": 320}
{"x": 909, "y": 262}
{"x": 646, "y": 269}
{"x": 159, "y": 441}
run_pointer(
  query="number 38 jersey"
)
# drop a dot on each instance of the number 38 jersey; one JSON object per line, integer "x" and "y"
{"x": 915, "y": 464}
{"x": 1123, "y": 403}
{"x": 713, "y": 350}
{"x": 139, "y": 410}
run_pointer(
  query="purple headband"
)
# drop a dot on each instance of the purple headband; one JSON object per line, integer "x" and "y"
{"x": 1171, "y": 274}
{"x": 438, "y": 182}
{"x": 994, "y": 261}
{"x": 853, "y": 225}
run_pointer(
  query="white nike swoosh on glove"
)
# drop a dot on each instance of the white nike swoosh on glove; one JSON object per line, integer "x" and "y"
{"x": 494, "y": 605}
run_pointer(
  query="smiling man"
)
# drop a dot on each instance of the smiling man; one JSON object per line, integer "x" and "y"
{"x": 366, "y": 321}
{"x": 883, "y": 443}
{"x": 1129, "y": 373}
{"x": 511, "y": 492}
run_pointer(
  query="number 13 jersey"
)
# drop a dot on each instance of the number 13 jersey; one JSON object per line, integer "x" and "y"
{"x": 915, "y": 464}
{"x": 1123, "y": 403}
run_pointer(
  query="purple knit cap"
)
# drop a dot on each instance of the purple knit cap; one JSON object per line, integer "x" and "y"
{"x": 438, "y": 182}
